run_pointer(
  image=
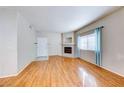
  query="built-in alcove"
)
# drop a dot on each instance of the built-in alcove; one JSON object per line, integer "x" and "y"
{"x": 68, "y": 40}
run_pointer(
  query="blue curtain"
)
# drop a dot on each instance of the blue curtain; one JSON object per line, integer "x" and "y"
{"x": 99, "y": 46}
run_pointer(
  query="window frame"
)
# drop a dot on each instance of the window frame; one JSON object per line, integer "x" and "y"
{"x": 87, "y": 36}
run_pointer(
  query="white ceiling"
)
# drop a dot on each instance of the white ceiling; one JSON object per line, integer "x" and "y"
{"x": 63, "y": 18}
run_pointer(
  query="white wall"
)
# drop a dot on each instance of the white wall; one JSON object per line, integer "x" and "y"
{"x": 89, "y": 56}
{"x": 112, "y": 41}
{"x": 17, "y": 40}
{"x": 54, "y": 42}
{"x": 8, "y": 42}
{"x": 26, "y": 39}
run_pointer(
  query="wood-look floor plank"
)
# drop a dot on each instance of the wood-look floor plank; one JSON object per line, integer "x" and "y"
{"x": 63, "y": 72}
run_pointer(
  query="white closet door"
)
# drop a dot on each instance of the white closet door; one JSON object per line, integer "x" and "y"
{"x": 42, "y": 47}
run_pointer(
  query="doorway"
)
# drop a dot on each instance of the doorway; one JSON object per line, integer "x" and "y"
{"x": 42, "y": 48}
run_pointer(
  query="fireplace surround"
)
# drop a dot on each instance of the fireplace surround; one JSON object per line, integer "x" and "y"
{"x": 68, "y": 44}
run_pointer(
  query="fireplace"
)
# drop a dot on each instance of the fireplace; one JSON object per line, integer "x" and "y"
{"x": 68, "y": 50}
{"x": 68, "y": 45}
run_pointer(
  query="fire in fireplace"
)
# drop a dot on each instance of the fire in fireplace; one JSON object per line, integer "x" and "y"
{"x": 68, "y": 50}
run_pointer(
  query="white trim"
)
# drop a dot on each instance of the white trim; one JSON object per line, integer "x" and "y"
{"x": 63, "y": 56}
{"x": 23, "y": 68}
{"x": 103, "y": 68}
{"x": 12, "y": 75}
{"x": 41, "y": 58}
{"x": 16, "y": 74}
{"x": 112, "y": 71}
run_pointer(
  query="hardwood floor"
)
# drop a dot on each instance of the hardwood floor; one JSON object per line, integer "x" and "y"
{"x": 63, "y": 72}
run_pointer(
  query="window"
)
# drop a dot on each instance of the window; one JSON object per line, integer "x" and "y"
{"x": 87, "y": 42}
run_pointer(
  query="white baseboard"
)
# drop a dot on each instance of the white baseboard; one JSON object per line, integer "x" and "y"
{"x": 35, "y": 60}
{"x": 41, "y": 58}
{"x": 112, "y": 71}
{"x": 12, "y": 75}
{"x": 104, "y": 68}
{"x": 23, "y": 68}
{"x": 16, "y": 74}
